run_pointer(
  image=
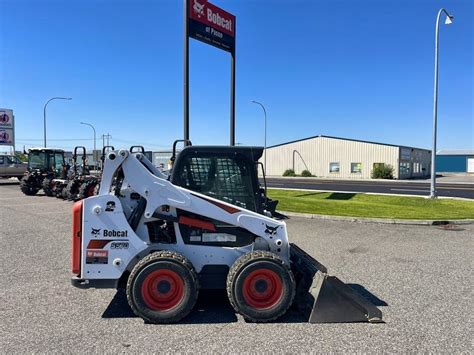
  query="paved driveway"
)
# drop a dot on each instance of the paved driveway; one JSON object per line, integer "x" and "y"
{"x": 423, "y": 274}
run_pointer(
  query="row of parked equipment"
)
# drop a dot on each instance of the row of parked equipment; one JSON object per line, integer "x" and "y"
{"x": 49, "y": 171}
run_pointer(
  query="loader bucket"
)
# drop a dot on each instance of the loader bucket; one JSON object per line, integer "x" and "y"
{"x": 324, "y": 298}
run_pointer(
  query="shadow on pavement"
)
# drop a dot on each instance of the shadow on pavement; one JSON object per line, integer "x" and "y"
{"x": 9, "y": 182}
{"x": 369, "y": 296}
{"x": 213, "y": 307}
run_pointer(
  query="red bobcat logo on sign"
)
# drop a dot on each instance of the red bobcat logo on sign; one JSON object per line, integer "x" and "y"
{"x": 198, "y": 8}
{"x": 4, "y": 118}
{"x": 4, "y": 136}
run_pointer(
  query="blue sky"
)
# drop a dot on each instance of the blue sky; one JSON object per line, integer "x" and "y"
{"x": 355, "y": 69}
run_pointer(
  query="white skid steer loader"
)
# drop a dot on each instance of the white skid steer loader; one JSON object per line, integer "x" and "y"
{"x": 207, "y": 226}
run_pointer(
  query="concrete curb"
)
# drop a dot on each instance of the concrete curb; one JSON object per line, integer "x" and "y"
{"x": 371, "y": 193}
{"x": 422, "y": 222}
{"x": 400, "y": 181}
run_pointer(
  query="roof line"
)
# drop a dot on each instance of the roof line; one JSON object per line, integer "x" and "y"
{"x": 345, "y": 139}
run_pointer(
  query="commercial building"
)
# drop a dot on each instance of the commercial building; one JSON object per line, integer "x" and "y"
{"x": 334, "y": 157}
{"x": 455, "y": 161}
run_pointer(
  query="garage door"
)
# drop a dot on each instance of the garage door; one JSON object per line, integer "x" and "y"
{"x": 470, "y": 165}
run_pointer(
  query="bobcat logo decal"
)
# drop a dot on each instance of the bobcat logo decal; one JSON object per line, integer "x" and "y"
{"x": 95, "y": 232}
{"x": 271, "y": 230}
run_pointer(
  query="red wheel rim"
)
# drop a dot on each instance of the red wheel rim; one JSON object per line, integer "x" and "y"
{"x": 162, "y": 290}
{"x": 262, "y": 289}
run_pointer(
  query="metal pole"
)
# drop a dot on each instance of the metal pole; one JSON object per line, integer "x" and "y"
{"x": 186, "y": 74}
{"x": 44, "y": 113}
{"x": 232, "y": 98}
{"x": 435, "y": 106}
{"x": 88, "y": 124}
{"x": 265, "y": 133}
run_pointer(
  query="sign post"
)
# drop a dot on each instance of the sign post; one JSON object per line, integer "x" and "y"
{"x": 210, "y": 24}
{"x": 7, "y": 127}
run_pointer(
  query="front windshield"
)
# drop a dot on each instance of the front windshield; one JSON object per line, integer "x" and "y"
{"x": 37, "y": 160}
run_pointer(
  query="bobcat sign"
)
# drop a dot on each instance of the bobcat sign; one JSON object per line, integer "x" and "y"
{"x": 209, "y": 24}
{"x": 212, "y": 25}
{"x": 7, "y": 127}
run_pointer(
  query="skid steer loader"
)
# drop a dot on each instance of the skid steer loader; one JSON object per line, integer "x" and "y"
{"x": 205, "y": 227}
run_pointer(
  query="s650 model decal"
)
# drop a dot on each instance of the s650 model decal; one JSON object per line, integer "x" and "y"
{"x": 119, "y": 245}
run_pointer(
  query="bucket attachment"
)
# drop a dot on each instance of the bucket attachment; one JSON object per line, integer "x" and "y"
{"x": 326, "y": 299}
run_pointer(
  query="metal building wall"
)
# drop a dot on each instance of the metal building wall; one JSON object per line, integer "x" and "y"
{"x": 315, "y": 154}
{"x": 451, "y": 163}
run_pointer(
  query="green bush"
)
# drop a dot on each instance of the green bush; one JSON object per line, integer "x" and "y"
{"x": 383, "y": 171}
{"x": 306, "y": 173}
{"x": 289, "y": 172}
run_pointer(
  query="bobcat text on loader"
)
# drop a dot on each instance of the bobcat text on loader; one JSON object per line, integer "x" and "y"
{"x": 206, "y": 226}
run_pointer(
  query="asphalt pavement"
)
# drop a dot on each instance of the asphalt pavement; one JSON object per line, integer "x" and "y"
{"x": 420, "y": 276}
{"x": 397, "y": 187}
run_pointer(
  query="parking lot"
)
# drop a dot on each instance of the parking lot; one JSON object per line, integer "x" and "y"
{"x": 420, "y": 276}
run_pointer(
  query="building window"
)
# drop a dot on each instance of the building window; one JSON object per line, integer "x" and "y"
{"x": 333, "y": 167}
{"x": 379, "y": 165}
{"x": 404, "y": 168}
{"x": 356, "y": 168}
{"x": 416, "y": 168}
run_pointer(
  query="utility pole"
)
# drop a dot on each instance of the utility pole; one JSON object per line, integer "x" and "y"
{"x": 104, "y": 137}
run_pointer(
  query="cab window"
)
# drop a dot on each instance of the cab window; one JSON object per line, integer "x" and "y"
{"x": 59, "y": 161}
{"x": 224, "y": 178}
{"x": 37, "y": 160}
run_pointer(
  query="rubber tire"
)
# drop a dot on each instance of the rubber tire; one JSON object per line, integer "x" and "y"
{"x": 26, "y": 186}
{"x": 64, "y": 193}
{"x": 72, "y": 190}
{"x": 48, "y": 191}
{"x": 248, "y": 263}
{"x": 166, "y": 259}
{"x": 58, "y": 192}
{"x": 84, "y": 191}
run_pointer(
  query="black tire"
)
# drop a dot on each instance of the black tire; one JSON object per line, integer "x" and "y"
{"x": 260, "y": 286}
{"x": 47, "y": 188}
{"x": 28, "y": 185}
{"x": 87, "y": 189}
{"x": 155, "y": 276}
{"x": 64, "y": 193}
{"x": 58, "y": 191}
{"x": 72, "y": 190}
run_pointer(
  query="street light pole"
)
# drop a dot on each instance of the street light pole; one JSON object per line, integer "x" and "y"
{"x": 44, "y": 113}
{"x": 449, "y": 20}
{"x": 265, "y": 142}
{"x": 88, "y": 124}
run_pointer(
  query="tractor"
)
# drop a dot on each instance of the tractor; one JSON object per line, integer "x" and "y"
{"x": 90, "y": 186}
{"x": 44, "y": 164}
{"x": 78, "y": 174}
{"x": 206, "y": 226}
